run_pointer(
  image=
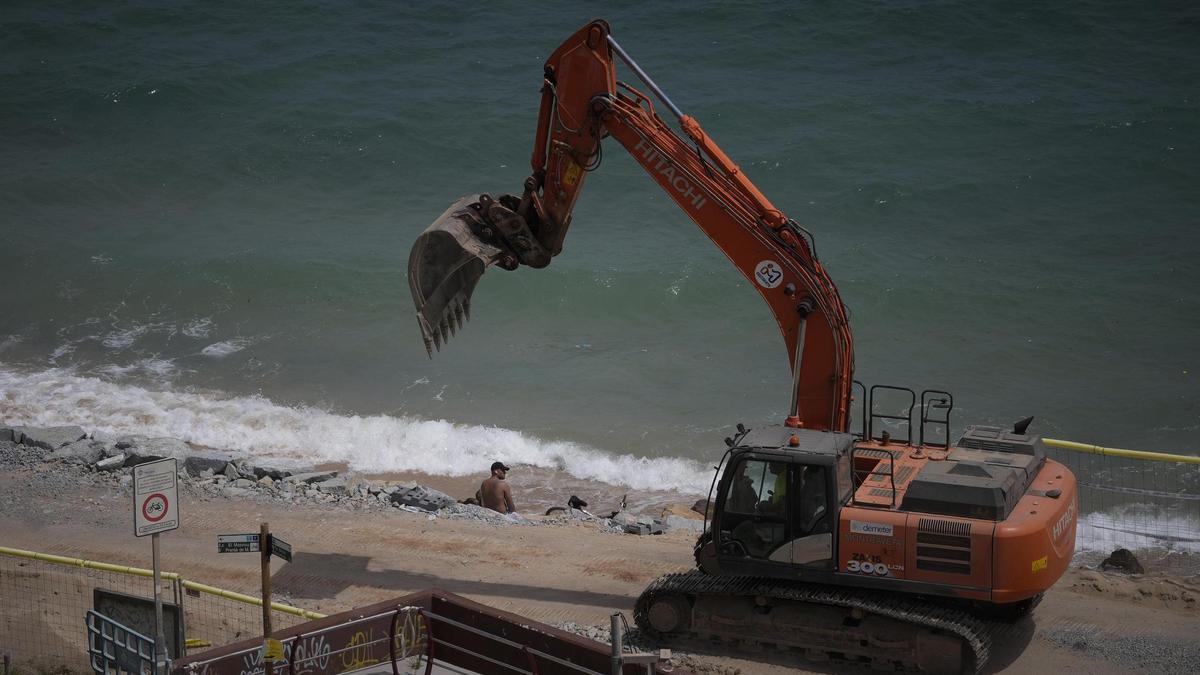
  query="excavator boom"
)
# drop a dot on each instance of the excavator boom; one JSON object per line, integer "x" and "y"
{"x": 582, "y": 102}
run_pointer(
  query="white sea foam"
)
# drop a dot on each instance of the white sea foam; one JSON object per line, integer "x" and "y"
{"x": 376, "y": 443}
{"x": 124, "y": 338}
{"x": 197, "y": 328}
{"x": 1137, "y": 527}
{"x": 60, "y": 351}
{"x": 225, "y": 347}
{"x": 155, "y": 368}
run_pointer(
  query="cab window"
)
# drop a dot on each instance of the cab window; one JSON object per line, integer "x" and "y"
{"x": 812, "y": 505}
{"x": 758, "y": 487}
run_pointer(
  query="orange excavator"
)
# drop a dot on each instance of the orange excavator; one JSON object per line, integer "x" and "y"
{"x": 864, "y": 547}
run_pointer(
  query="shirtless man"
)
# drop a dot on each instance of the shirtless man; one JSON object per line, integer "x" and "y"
{"x": 496, "y": 494}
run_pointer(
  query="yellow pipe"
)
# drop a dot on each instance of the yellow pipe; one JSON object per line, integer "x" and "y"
{"x": 251, "y": 600}
{"x": 1118, "y": 452}
{"x": 138, "y": 571}
{"x": 86, "y": 564}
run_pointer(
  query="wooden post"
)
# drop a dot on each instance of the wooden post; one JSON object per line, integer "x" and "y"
{"x": 264, "y": 540}
{"x": 618, "y": 645}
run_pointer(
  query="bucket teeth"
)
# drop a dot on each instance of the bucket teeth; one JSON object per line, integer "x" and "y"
{"x": 444, "y": 265}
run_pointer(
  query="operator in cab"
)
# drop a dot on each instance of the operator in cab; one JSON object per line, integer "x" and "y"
{"x": 495, "y": 493}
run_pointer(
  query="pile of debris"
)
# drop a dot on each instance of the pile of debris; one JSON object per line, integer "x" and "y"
{"x": 211, "y": 474}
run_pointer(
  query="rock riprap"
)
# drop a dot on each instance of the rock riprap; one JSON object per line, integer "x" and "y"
{"x": 219, "y": 474}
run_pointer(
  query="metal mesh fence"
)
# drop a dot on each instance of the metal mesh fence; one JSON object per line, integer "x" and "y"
{"x": 1151, "y": 507}
{"x": 43, "y": 605}
{"x": 215, "y": 620}
{"x": 42, "y": 624}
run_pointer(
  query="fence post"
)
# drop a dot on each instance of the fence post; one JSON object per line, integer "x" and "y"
{"x": 181, "y": 628}
{"x": 392, "y": 641}
{"x": 617, "y": 647}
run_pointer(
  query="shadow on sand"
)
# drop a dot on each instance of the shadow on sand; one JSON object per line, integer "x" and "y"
{"x": 321, "y": 576}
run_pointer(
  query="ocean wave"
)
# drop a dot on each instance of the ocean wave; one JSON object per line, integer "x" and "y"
{"x": 371, "y": 443}
{"x": 156, "y": 368}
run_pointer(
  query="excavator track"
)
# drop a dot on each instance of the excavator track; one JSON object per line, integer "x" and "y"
{"x": 927, "y": 628}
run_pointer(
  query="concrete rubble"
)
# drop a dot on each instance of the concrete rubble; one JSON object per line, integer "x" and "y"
{"x": 47, "y": 438}
{"x": 219, "y": 474}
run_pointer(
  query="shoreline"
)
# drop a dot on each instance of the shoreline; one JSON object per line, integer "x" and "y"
{"x": 209, "y": 472}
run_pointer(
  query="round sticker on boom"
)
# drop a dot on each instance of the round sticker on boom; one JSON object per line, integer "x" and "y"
{"x": 768, "y": 274}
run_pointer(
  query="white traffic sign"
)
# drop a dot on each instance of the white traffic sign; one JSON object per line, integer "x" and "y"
{"x": 238, "y": 543}
{"x": 281, "y": 548}
{"x": 155, "y": 497}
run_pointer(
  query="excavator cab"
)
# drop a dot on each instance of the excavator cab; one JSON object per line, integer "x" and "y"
{"x": 777, "y": 503}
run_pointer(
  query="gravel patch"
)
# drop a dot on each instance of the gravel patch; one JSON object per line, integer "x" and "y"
{"x": 1142, "y": 653}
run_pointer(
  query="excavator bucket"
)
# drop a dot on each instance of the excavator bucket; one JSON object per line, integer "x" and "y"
{"x": 444, "y": 265}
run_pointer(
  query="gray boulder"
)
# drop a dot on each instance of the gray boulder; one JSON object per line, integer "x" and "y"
{"x": 333, "y": 486}
{"x": 126, "y": 442}
{"x": 245, "y": 470}
{"x": 624, "y": 518}
{"x": 80, "y": 452}
{"x": 111, "y": 463}
{"x": 643, "y": 525}
{"x": 1123, "y": 560}
{"x": 198, "y": 462}
{"x": 231, "y": 471}
{"x": 686, "y": 524}
{"x": 47, "y": 438}
{"x": 141, "y": 449}
{"x": 310, "y": 477}
{"x": 6, "y": 435}
{"x": 421, "y": 497}
{"x": 258, "y": 471}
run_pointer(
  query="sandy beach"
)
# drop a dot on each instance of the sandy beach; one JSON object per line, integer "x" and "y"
{"x": 571, "y": 572}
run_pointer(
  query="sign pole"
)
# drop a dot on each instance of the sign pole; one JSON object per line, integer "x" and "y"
{"x": 265, "y": 539}
{"x": 160, "y": 642}
{"x": 155, "y": 510}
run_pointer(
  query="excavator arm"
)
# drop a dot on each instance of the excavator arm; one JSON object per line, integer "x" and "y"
{"x": 582, "y": 103}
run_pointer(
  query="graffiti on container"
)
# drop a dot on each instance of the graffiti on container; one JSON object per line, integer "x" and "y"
{"x": 410, "y": 633}
{"x": 310, "y": 655}
{"x": 358, "y": 651}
